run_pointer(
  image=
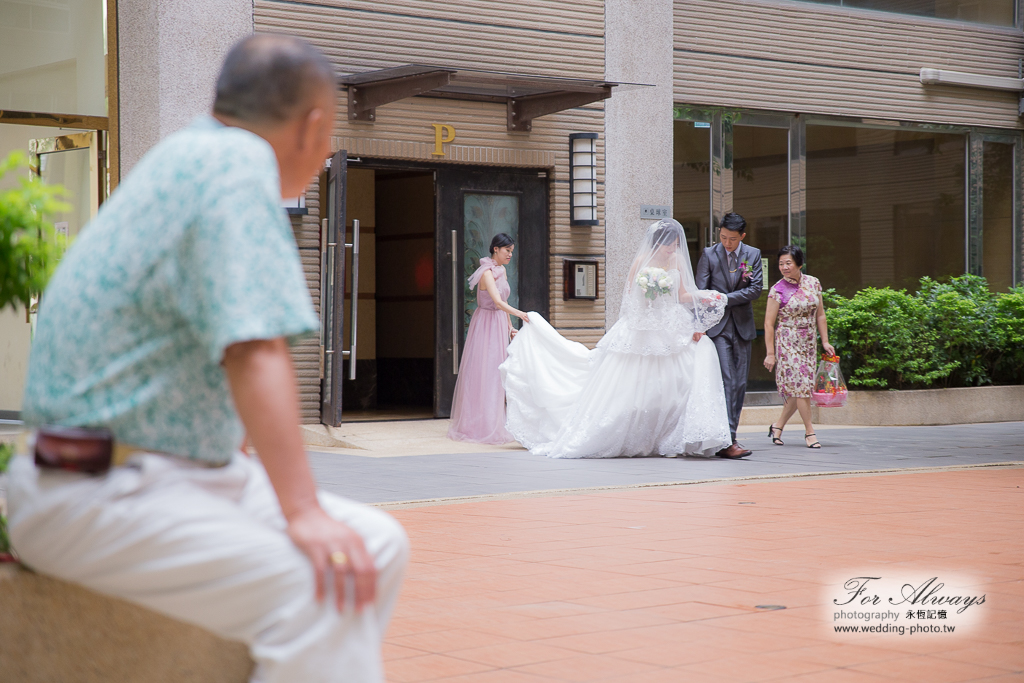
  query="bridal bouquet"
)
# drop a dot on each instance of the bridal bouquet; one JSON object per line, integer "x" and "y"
{"x": 654, "y": 281}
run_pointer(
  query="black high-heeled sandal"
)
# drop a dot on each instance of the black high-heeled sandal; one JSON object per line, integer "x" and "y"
{"x": 816, "y": 444}
{"x": 777, "y": 440}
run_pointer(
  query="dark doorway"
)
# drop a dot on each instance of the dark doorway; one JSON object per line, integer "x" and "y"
{"x": 394, "y": 208}
{"x": 413, "y": 304}
{"x": 405, "y": 290}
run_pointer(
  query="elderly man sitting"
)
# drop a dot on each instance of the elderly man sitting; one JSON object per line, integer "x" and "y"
{"x": 166, "y": 326}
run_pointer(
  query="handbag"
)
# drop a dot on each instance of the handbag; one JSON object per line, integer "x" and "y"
{"x": 829, "y": 387}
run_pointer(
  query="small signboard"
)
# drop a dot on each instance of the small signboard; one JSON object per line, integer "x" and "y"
{"x": 764, "y": 272}
{"x": 586, "y": 280}
{"x": 655, "y": 211}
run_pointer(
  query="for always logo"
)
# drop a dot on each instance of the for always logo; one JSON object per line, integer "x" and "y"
{"x": 865, "y": 602}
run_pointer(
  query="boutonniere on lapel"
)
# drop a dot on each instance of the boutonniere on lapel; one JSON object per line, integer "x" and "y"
{"x": 744, "y": 271}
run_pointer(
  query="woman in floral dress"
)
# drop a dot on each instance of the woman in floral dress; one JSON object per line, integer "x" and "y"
{"x": 794, "y": 302}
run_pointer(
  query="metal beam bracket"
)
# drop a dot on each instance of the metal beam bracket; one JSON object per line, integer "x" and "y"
{"x": 363, "y": 100}
{"x": 522, "y": 111}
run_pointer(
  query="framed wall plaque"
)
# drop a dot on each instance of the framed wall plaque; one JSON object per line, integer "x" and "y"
{"x": 579, "y": 277}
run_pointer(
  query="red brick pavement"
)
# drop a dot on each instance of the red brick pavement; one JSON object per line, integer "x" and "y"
{"x": 662, "y": 584}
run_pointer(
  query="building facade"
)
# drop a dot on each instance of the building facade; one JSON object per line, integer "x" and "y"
{"x": 886, "y": 143}
{"x": 570, "y": 125}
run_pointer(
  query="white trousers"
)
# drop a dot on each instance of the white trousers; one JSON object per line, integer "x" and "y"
{"x": 208, "y": 546}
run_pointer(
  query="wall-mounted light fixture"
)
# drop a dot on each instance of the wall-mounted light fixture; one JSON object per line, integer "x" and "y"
{"x": 296, "y": 206}
{"x": 583, "y": 178}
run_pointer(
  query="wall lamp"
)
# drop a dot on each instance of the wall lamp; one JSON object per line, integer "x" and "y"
{"x": 583, "y": 178}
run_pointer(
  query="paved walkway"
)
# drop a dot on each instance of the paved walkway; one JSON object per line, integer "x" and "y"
{"x": 682, "y": 583}
{"x": 657, "y": 570}
{"x": 501, "y": 471}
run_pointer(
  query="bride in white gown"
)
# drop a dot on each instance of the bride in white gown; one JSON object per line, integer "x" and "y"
{"x": 647, "y": 388}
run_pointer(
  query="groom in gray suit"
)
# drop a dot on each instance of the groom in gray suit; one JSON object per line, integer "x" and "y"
{"x": 734, "y": 269}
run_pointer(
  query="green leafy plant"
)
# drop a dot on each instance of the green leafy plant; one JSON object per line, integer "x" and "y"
{"x": 883, "y": 339}
{"x": 1008, "y": 328}
{"x": 962, "y": 312}
{"x": 29, "y": 246}
{"x": 949, "y": 334}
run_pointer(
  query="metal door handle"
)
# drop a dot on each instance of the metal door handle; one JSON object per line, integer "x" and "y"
{"x": 355, "y": 298}
{"x": 455, "y": 302}
{"x": 325, "y": 341}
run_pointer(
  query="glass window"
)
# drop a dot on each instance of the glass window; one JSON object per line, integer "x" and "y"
{"x": 484, "y": 216}
{"x": 691, "y": 178}
{"x": 761, "y": 195}
{"x": 884, "y": 207}
{"x": 52, "y": 56}
{"x": 761, "y": 185}
{"x": 997, "y": 215}
{"x": 997, "y": 12}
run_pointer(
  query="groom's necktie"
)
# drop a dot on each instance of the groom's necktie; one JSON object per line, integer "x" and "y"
{"x": 733, "y": 274}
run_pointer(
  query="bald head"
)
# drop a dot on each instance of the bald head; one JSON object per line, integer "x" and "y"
{"x": 269, "y": 79}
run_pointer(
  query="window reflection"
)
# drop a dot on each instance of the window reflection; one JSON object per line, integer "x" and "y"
{"x": 761, "y": 185}
{"x": 997, "y": 12}
{"x": 691, "y": 176}
{"x": 884, "y": 208}
{"x": 997, "y": 215}
{"x": 761, "y": 195}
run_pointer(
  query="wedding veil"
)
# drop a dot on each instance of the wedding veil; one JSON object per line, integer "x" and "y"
{"x": 660, "y": 293}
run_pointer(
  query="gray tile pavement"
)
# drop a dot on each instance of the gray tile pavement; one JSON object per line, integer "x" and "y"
{"x": 379, "y": 480}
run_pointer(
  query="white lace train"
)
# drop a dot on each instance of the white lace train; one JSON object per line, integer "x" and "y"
{"x": 662, "y": 396}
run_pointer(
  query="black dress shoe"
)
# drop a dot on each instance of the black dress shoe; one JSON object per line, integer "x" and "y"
{"x": 733, "y": 452}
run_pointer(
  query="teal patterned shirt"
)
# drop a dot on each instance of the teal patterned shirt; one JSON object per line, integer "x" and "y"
{"x": 191, "y": 254}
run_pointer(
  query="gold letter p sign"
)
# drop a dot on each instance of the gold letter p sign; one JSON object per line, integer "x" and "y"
{"x": 442, "y": 133}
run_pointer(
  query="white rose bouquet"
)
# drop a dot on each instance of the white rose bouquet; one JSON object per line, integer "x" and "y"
{"x": 654, "y": 282}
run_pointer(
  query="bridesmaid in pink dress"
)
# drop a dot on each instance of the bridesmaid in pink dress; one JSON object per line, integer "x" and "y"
{"x": 478, "y": 410}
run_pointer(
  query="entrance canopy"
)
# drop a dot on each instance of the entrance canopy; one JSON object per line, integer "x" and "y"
{"x": 526, "y": 97}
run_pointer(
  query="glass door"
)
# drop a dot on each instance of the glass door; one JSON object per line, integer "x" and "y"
{"x": 473, "y": 205}
{"x": 73, "y": 162}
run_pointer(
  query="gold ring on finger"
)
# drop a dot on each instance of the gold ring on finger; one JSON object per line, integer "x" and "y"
{"x": 339, "y": 559}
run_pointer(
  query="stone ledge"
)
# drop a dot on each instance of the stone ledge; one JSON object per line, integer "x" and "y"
{"x": 55, "y": 632}
{"x": 966, "y": 405}
{"x": 969, "y": 405}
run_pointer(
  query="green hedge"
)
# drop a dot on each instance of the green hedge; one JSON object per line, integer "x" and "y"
{"x": 29, "y": 247}
{"x": 947, "y": 334}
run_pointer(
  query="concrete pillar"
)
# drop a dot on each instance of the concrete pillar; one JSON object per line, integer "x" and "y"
{"x": 169, "y": 55}
{"x": 638, "y": 131}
